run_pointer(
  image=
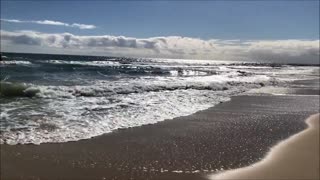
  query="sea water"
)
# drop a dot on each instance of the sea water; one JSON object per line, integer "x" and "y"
{"x": 60, "y": 98}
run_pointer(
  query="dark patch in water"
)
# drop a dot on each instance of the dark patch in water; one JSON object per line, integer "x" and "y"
{"x": 9, "y": 89}
{"x": 48, "y": 127}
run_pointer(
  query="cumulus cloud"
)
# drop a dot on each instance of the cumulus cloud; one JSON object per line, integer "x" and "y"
{"x": 283, "y": 51}
{"x": 54, "y": 23}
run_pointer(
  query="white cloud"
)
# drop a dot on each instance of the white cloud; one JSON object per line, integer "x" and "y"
{"x": 12, "y": 20}
{"x": 285, "y": 51}
{"x": 54, "y": 23}
{"x": 83, "y": 26}
{"x": 48, "y": 22}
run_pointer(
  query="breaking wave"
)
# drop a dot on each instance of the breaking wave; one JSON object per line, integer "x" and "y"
{"x": 9, "y": 89}
{"x": 106, "y": 88}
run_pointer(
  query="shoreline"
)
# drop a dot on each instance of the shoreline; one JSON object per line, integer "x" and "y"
{"x": 230, "y": 135}
{"x": 294, "y": 158}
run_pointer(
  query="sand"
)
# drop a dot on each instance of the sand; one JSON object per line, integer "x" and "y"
{"x": 294, "y": 158}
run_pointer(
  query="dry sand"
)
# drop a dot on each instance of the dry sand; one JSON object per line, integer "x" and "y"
{"x": 294, "y": 158}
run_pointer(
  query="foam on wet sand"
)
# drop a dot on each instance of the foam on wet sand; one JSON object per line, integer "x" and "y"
{"x": 294, "y": 158}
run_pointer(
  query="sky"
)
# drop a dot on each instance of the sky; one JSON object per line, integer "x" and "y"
{"x": 222, "y": 30}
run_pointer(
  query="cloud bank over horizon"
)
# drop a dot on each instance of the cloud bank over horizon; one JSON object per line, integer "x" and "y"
{"x": 50, "y": 22}
{"x": 281, "y": 51}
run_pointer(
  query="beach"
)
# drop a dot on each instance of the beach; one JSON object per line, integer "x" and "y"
{"x": 152, "y": 90}
{"x": 227, "y": 136}
{"x": 294, "y": 158}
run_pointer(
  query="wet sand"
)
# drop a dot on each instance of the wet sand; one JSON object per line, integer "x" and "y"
{"x": 294, "y": 158}
{"x": 230, "y": 135}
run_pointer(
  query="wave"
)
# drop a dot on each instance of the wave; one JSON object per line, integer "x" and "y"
{"x": 100, "y": 67}
{"x": 3, "y": 57}
{"x": 62, "y": 120}
{"x": 141, "y": 85}
{"x": 71, "y": 113}
{"x": 15, "y": 62}
{"x": 83, "y": 63}
{"x": 8, "y": 89}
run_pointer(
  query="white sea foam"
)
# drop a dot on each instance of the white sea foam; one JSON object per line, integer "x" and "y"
{"x": 70, "y": 113}
{"x": 81, "y": 118}
{"x": 104, "y": 88}
{"x": 15, "y": 62}
{"x": 294, "y": 158}
{"x": 87, "y": 63}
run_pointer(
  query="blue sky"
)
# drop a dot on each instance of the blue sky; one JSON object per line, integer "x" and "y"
{"x": 204, "y": 19}
{"x": 286, "y": 31}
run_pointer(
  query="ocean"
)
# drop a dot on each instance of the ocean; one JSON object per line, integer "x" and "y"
{"x": 60, "y": 98}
